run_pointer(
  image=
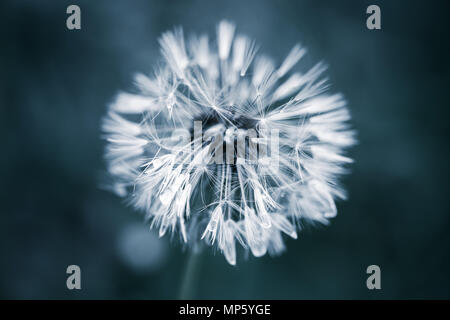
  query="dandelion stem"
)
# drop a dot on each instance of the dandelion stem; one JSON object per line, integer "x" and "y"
{"x": 189, "y": 282}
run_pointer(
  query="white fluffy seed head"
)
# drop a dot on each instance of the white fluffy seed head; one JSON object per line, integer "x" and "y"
{"x": 208, "y": 187}
{"x": 225, "y": 33}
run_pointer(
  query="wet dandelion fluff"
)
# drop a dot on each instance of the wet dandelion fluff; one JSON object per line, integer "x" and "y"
{"x": 221, "y": 145}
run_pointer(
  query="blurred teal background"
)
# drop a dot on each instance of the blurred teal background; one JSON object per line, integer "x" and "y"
{"x": 54, "y": 87}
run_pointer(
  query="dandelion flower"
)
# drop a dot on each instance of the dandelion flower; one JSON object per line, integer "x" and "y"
{"x": 221, "y": 145}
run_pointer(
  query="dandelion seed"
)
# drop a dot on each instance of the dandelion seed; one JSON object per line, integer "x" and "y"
{"x": 262, "y": 148}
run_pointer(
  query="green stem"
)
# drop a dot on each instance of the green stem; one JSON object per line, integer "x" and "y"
{"x": 190, "y": 278}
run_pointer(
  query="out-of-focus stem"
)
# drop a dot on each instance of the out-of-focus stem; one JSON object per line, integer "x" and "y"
{"x": 190, "y": 278}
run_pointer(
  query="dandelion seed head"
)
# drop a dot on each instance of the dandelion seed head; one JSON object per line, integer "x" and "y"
{"x": 222, "y": 146}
